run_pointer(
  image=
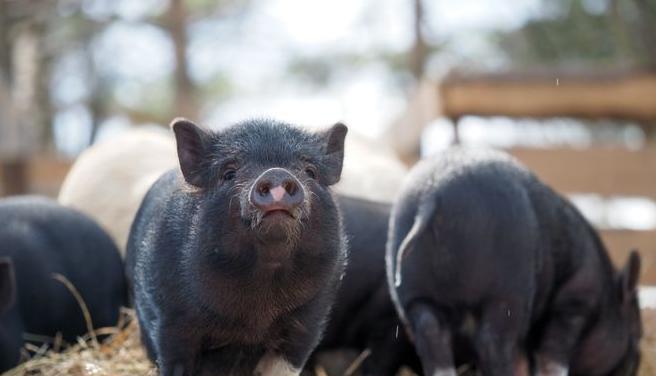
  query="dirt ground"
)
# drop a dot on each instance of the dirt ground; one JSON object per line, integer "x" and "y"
{"x": 121, "y": 355}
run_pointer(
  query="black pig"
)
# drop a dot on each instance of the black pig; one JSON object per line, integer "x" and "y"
{"x": 39, "y": 238}
{"x": 481, "y": 252}
{"x": 11, "y": 329}
{"x": 363, "y": 316}
{"x": 235, "y": 261}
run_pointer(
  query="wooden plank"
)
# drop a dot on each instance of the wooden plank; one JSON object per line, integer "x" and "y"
{"x": 626, "y": 95}
{"x": 45, "y": 174}
{"x": 600, "y": 170}
{"x": 620, "y": 243}
{"x": 592, "y": 95}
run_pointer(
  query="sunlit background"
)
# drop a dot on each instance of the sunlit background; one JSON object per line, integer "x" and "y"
{"x": 75, "y": 72}
{"x": 107, "y": 65}
{"x": 568, "y": 87}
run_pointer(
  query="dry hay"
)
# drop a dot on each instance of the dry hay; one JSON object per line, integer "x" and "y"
{"x": 121, "y": 354}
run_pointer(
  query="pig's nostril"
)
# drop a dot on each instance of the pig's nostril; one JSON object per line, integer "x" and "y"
{"x": 290, "y": 187}
{"x": 276, "y": 189}
{"x": 263, "y": 189}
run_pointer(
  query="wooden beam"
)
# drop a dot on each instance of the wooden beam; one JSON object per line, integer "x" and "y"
{"x": 620, "y": 243}
{"x": 13, "y": 177}
{"x": 626, "y": 95}
{"x": 43, "y": 175}
{"x": 604, "y": 171}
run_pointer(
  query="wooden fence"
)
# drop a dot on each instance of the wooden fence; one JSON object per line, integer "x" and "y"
{"x": 627, "y": 95}
{"x": 44, "y": 175}
{"x": 622, "y": 95}
{"x": 604, "y": 171}
{"x": 607, "y": 172}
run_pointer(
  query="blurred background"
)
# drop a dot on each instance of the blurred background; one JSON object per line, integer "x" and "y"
{"x": 567, "y": 86}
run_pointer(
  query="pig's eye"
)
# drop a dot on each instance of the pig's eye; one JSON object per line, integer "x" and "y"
{"x": 229, "y": 174}
{"x": 311, "y": 172}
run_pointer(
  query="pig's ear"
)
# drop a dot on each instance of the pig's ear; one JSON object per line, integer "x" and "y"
{"x": 630, "y": 275}
{"x": 192, "y": 143}
{"x": 334, "y": 153}
{"x": 7, "y": 284}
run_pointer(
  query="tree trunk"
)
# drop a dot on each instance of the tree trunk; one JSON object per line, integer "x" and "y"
{"x": 26, "y": 66}
{"x": 419, "y": 52}
{"x": 25, "y": 119}
{"x": 42, "y": 99}
{"x": 620, "y": 30}
{"x": 185, "y": 104}
{"x": 5, "y": 46}
{"x": 647, "y": 30}
{"x": 96, "y": 108}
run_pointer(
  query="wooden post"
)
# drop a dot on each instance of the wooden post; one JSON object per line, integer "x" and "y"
{"x": 185, "y": 89}
{"x": 419, "y": 52}
{"x": 14, "y": 177}
{"x": 20, "y": 114}
{"x": 456, "y": 130}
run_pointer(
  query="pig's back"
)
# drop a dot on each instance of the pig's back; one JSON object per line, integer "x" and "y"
{"x": 159, "y": 277}
{"x": 571, "y": 246}
{"x": 495, "y": 229}
{"x": 482, "y": 241}
{"x": 365, "y": 224}
{"x": 156, "y": 227}
{"x": 43, "y": 238}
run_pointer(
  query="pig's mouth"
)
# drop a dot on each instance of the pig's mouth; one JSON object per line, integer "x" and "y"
{"x": 278, "y": 226}
{"x": 277, "y": 222}
{"x": 278, "y": 213}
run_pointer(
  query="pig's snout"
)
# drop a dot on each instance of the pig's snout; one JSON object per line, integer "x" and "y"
{"x": 277, "y": 189}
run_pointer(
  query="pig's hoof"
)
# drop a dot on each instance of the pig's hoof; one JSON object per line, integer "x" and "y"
{"x": 551, "y": 368}
{"x": 275, "y": 365}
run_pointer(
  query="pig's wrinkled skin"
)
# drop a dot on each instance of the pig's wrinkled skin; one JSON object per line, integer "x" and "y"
{"x": 363, "y": 316}
{"x": 480, "y": 252}
{"x": 235, "y": 259}
{"x": 39, "y": 238}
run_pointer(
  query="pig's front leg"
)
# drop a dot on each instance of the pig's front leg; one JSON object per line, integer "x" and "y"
{"x": 302, "y": 333}
{"x": 561, "y": 333}
{"x": 556, "y": 346}
{"x": 432, "y": 341}
{"x": 175, "y": 357}
{"x": 274, "y": 364}
{"x": 497, "y": 338}
{"x": 387, "y": 352}
{"x": 521, "y": 365}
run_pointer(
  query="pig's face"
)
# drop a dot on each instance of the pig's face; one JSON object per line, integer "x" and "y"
{"x": 611, "y": 347}
{"x": 260, "y": 179}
